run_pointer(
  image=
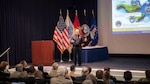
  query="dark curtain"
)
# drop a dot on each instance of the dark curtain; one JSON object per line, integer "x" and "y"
{"x": 23, "y": 21}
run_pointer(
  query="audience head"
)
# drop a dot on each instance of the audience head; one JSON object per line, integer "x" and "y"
{"x": 19, "y": 67}
{"x": 127, "y": 75}
{"x": 62, "y": 71}
{"x": 38, "y": 74}
{"x": 24, "y": 63}
{"x": 87, "y": 82}
{"x": 85, "y": 71}
{"x": 106, "y": 75}
{"x": 147, "y": 73}
{"x": 55, "y": 66}
{"x": 92, "y": 78}
{"x": 107, "y": 69}
{"x": 32, "y": 69}
{"x": 40, "y": 67}
{"x": 99, "y": 74}
{"x": 5, "y": 65}
{"x": 89, "y": 69}
{"x": 72, "y": 68}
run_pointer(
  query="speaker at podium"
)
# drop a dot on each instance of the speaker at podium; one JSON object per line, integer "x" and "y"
{"x": 43, "y": 52}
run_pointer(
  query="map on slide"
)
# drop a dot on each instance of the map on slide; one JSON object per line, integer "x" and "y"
{"x": 131, "y": 16}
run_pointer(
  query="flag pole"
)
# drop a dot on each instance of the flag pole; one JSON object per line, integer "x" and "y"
{"x": 69, "y": 57}
{"x": 61, "y": 58}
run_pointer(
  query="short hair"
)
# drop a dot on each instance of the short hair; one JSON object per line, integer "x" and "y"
{"x": 38, "y": 74}
{"x": 127, "y": 75}
{"x": 85, "y": 71}
{"x": 19, "y": 67}
{"x": 87, "y": 82}
{"x": 32, "y": 69}
{"x": 55, "y": 65}
{"x": 89, "y": 69}
{"x": 72, "y": 67}
{"x": 147, "y": 73}
{"x": 61, "y": 71}
{"x": 5, "y": 63}
{"x": 99, "y": 74}
{"x": 106, "y": 68}
{"x": 40, "y": 67}
{"x": 92, "y": 78}
{"x": 107, "y": 75}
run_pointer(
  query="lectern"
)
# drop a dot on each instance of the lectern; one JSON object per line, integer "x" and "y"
{"x": 42, "y": 52}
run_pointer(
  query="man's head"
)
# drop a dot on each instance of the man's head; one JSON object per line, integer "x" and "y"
{"x": 99, "y": 74}
{"x": 85, "y": 71}
{"x": 19, "y": 67}
{"x": 55, "y": 66}
{"x": 62, "y": 70}
{"x": 77, "y": 31}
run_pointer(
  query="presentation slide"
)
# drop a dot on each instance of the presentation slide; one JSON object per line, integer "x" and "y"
{"x": 130, "y": 16}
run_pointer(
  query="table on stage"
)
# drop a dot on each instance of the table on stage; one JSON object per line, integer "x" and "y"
{"x": 94, "y": 53}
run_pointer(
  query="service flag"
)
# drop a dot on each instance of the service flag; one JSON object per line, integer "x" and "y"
{"x": 76, "y": 22}
{"x": 94, "y": 31}
{"x": 70, "y": 30}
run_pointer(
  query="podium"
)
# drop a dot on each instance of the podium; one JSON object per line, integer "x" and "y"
{"x": 42, "y": 52}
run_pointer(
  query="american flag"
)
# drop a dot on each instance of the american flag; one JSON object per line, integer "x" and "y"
{"x": 61, "y": 35}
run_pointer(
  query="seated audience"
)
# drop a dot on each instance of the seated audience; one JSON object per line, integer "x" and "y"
{"x": 111, "y": 77}
{"x": 92, "y": 78}
{"x": 145, "y": 80}
{"x": 106, "y": 78}
{"x": 39, "y": 78}
{"x": 19, "y": 73}
{"x": 127, "y": 77}
{"x": 87, "y": 82}
{"x": 25, "y": 65}
{"x": 53, "y": 72}
{"x": 45, "y": 74}
{"x": 31, "y": 71}
{"x": 72, "y": 71}
{"x": 4, "y": 66}
{"x": 89, "y": 69}
{"x": 85, "y": 72}
{"x": 99, "y": 76}
{"x": 63, "y": 77}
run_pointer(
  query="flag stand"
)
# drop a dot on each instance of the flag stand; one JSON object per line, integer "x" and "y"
{"x": 69, "y": 57}
{"x": 61, "y": 58}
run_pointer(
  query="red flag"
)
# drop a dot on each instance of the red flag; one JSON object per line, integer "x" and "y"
{"x": 76, "y": 23}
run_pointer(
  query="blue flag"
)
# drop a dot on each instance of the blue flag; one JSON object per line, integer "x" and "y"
{"x": 94, "y": 31}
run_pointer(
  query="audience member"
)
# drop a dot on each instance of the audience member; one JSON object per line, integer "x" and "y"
{"x": 89, "y": 69}
{"x": 63, "y": 77}
{"x": 45, "y": 74}
{"x": 19, "y": 73}
{"x": 4, "y": 66}
{"x": 53, "y": 72}
{"x": 92, "y": 78}
{"x": 25, "y": 65}
{"x": 111, "y": 76}
{"x": 106, "y": 78}
{"x": 87, "y": 82}
{"x": 72, "y": 71}
{"x": 127, "y": 77}
{"x": 85, "y": 72}
{"x": 39, "y": 78}
{"x": 147, "y": 77}
{"x": 31, "y": 71}
{"x": 99, "y": 76}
